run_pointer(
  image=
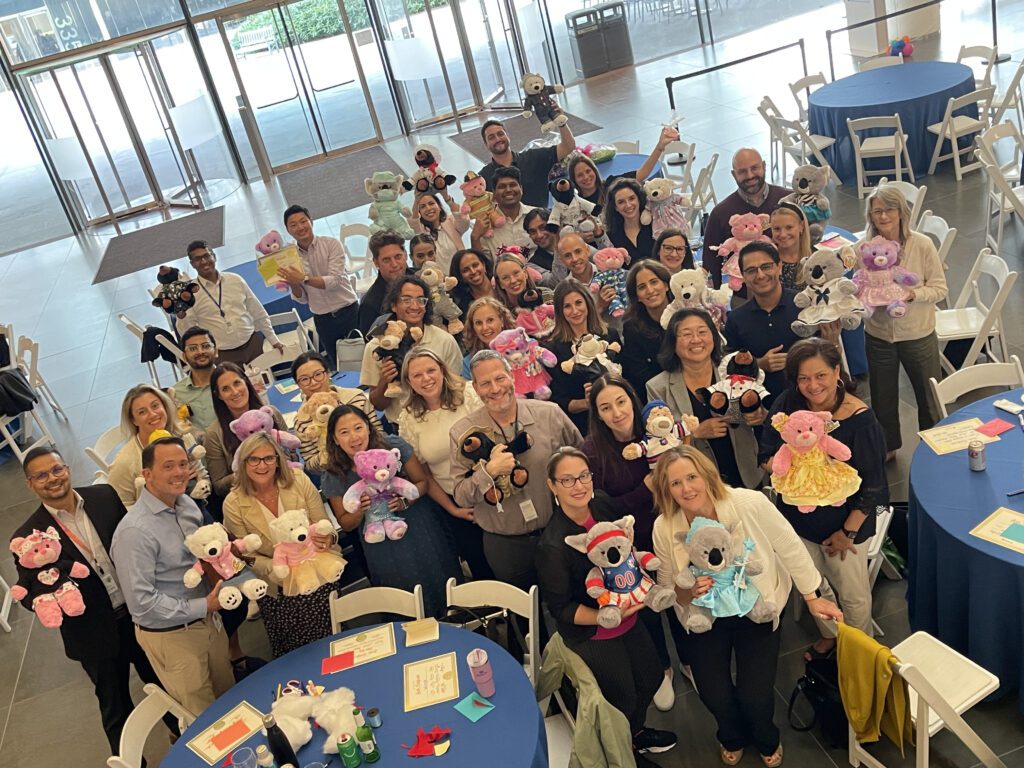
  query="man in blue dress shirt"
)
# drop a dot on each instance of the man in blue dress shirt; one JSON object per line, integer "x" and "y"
{"x": 178, "y": 627}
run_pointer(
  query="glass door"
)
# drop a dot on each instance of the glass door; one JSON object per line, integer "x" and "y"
{"x": 492, "y": 42}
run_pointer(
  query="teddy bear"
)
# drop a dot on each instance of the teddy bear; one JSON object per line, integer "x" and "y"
{"x": 882, "y": 282}
{"x": 570, "y": 212}
{"x": 445, "y": 310}
{"x": 428, "y": 176}
{"x": 619, "y": 577}
{"x": 479, "y": 204}
{"x": 292, "y": 711}
{"x": 297, "y": 564}
{"x": 668, "y": 208}
{"x": 477, "y": 443}
{"x": 533, "y": 315}
{"x": 262, "y": 420}
{"x": 313, "y": 415}
{"x": 809, "y": 182}
{"x": 661, "y": 432}
{"x": 177, "y": 292}
{"x": 745, "y": 228}
{"x": 590, "y": 357}
{"x": 538, "y": 101}
{"x": 739, "y": 389}
{"x": 270, "y": 243}
{"x": 829, "y": 295}
{"x": 385, "y": 187}
{"x": 50, "y": 586}
{"x": 395, "y": 339}
{"x": 712, "y": 552}
{"x": 808, "y": 470}
{"x": 210, "y": 545}
{"x": 379, "y": 481}
{"x": 528, "y": 359}
{"x": 690, "y": 290}
{"x": 609, "y": 270}
{"x": 333, "y": 713}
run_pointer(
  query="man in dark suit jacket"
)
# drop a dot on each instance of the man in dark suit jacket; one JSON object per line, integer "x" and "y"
{"x": 102, "y": 639}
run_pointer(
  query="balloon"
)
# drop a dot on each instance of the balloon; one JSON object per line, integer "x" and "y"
{"x": 908, "y": 49}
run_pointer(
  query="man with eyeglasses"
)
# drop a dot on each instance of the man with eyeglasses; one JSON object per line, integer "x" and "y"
{"x": 409, "y": 301}
{"x": 226, "y": 305}
{"x": 102, "y": 639}
{"x": 200, "y": 350}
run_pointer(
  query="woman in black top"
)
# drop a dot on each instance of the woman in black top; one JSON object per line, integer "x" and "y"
{"x": 649, "y": 294}
{"x": 626, "y": 203}
{"x": 623, "y": 659}
{"x": 584, "y": 173}
{"x": 835, "y": 537}
{"x": 474, "y": 272}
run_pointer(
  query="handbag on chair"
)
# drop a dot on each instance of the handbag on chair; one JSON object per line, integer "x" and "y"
{"x": 349, "y": 351}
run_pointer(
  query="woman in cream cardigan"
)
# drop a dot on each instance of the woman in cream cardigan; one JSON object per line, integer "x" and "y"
{"x": 687, "y": 486}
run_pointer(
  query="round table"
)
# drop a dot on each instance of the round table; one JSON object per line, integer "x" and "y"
{"x": 964, "y": 590}
{"x": 917, "y": 91}
{"x": 512, "y": 735}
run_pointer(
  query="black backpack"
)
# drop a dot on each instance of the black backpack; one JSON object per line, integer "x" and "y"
{"x": 820, "y": 687}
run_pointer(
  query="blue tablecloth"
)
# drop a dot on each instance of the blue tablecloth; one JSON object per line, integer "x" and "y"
{"x": 917, "y": 91}
{"x": 965, "y": 591}
{"x": 511, "y": 736}
{"x": 627, "y": 162}
{"x": 285, "y": 402}
{"x": 273, "y": 300}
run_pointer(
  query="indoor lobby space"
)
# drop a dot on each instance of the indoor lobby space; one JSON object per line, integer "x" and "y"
{"x": 230, "y": 113}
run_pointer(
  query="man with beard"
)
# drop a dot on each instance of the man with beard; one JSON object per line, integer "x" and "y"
{"x": 226, "y": 305}
{"x": 545, "y": 239}
{"x": 508, "y": 196}
{"x": 753, "y": 195}
{"x": 200, "y": 350}
{"x": 533, "y": 164}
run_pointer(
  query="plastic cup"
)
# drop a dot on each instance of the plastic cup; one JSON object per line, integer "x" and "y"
{"x": 480, "y": 667}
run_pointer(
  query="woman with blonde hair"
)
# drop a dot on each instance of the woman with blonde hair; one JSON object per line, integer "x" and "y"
{"x": 485, "y": 319}
{"x": 688, "y": 488}
{"x": 792, "y": 236}
{"x": 512, "y": 279}
{"x": 144, "y": 410}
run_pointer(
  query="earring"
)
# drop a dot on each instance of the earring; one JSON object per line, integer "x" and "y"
{"x": 556, "y": 501}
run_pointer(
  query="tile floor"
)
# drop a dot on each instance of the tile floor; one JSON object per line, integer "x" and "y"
{"x": 90, "y": 360}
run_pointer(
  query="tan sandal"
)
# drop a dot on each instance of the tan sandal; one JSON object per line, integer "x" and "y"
{"x": 773, "y": 760}
{"x": 728, "y": 757}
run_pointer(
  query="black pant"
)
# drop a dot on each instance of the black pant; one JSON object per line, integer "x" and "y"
{"x": 469, "y": 543}
{"x": 744, "y": 709}
{"x": 652, "y": 621}
{"x": 627, "y": 670}
{"x": 110, "y": 677}
{"x": 511, "y": 558}
{"x": 333, "y": 327}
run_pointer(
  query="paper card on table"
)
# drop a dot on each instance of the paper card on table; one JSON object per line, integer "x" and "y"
{"x": 994, "y": 427}
{"x": 835, "y": 241}
{"x": 333, "y": 664}
{"x": 268, "y": 266}
{"x": 955, "y": 437}
{"x": 367, "y": 646}
{"x": 289, "y": 419}
{"x": 473, "y": 707}
{"x": 284, "y": 386}
{"x": 430, "y": 681}
{"x": 1004, "y": 527}
{"x": 421, "y": 631}
{"x": 237, "y": 725}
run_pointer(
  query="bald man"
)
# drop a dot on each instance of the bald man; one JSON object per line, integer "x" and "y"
{"x": 753, "y": 195}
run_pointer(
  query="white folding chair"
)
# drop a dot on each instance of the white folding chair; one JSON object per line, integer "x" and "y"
{"x": 686, "y": 151}
{"x": 772, "y": 114}
{"x": 357, "y": 264}
{"x": 298, "y": 334}
{"x": 914, "y": 196}
{"x": 139, "y": 332}
{"x": 955, "y": 127}
{"x": 980, "y": 376}
{"x": 703, "y": 198}
{"x": 273, "y": 359}
{"x": 1011, "y": 98}
{"x": 5, "y": 605}
{"x": 627, "y": 147}
{"x": 803, "y": 145}
{"x": 978, "y": 321}
{"x": 999, "y": 152}
{"x": 880, "y": 62}
{"x": 986, "y": 57}
{"x": 942, "y": 684}
{"x": 939, "y": 228}
{"x": 142, "y": 721}
{"x": 498, "y": 594}
{"x": 28, "y": 361}
{"x": 801, "y": 89}
{"x": 893, "y": 145}
{"x": 875, "y": 555}
{"x": 1005, "y": 200}
{"x": 363, "y": 602}
{"x": 104, "y": 449}
{"x": 19, "y": 439}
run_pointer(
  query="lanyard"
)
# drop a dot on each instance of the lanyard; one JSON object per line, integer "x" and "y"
{"x": 82, "y": 546}
{"x": 515, "y": 427}
{"x": 220, "y": 294}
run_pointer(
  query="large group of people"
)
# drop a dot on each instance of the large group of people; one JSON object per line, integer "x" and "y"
{"x": 548, "y": 462}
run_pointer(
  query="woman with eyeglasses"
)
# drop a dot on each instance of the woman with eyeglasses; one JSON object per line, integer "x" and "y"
{"x": 264, "y": 488}
{"x": 672, "y": 250}
{"x": 310, "y": 373}
{"x": 623, "y": 659}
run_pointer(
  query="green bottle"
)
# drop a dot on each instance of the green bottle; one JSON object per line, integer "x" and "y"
{"x": 364, "y": 737}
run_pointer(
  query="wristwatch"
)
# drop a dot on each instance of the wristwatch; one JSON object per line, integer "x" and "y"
{"x": 305, "y": 279}
{"x": 851, "y": 535}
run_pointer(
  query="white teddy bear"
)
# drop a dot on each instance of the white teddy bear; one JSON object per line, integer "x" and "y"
{"x": 210, "y": 545}
{"x": 333, "y": 713}
{"x": 689, "y": 289}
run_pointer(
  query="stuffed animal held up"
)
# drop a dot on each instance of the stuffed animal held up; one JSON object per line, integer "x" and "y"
{"x": 661, "y": 432}
{"x": 299, "y": 566}
{"x": 210, "y": 545}
{"x": 428, "y": 176}
{"x": 746, "y": 228}
{"x": 590, "y": 357}
{"x": 808, "y": 470}
{"x": 809, "y": 182}
{"x": 739, "y": 389}
{"x": 538, "y": 101}
{"x": 379, "y": 481}
{"x": 385, "y": 187}
{"x": 314, "y": 414}
{"x": 50, "y": 586}
{"x": 829, "y": 294}
{"x": 177, "y": 292}
{"x": 570, "y": 212}
{"x": 533, "y": 315}
{"x": 619, "y": 577}
{"x": 479, "y": 204}
{"x": 445, "y": 310}
{"x": 668, "y": 208}
{"x": 690, "y": 290}
{"x": 882, "y": 282}
{"x": 528, "y": 360}
{"x": 610, "y": 271}
{"x": 262, "y": 420}
{"x": 395, "y": 340}
{"x": 477, "y": 444}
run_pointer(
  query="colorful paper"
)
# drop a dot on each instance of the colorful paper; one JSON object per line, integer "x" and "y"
{"x": 994, "y": 427}
{"x": 473, "y": 707}
{"x": 269, "y": 265}
{"x": 950, "y": 438}
{"x": 1004, "y": 527}
{"x": 217, "y": 741}
{"x": 337, "y": 663}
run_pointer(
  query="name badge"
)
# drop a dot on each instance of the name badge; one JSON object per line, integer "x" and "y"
{"x": 108, "y": 581}
{"x": 218, "y": 622}
{"x": 529, "y": 511}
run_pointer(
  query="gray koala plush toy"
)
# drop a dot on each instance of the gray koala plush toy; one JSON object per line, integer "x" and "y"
{"x": 829, "y": 294}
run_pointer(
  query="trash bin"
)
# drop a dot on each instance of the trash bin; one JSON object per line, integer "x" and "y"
{"x": 615, "y": 31}
{"x": 587, "y": 42}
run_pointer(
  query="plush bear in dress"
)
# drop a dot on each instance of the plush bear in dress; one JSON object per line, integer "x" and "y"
{"x": 619, "y": 577}
{"x": 713, "y": 552}
{"x": 661, "y": 432}
{"x": 739, "y": 389}
{"x": 829, "y": 294}
{"x": 395, "y": 339}
{"x": 384, "y": 188}
{"x": 177, "y": 292}
{"x": 809, "y": 182}
{"x": 668, "y": 208}
{"x": 213, "y": 550}
{"x": 477, "y": 443}
{"x": 533, "y": 315}
{"x": 745, "y": 228}
{"x": 50, "y": 586}
{"x": 609, "y": 269}
{"x": 299, "y": 566}
{"x": 528, "y": 359}
{"x": 808, "y": 470}
{"x": 882, "y": 282}
{"x": 590, "y": 357}
{"x": 690, "y": 290}
{"x": 379, "y": 481}
{"x": 539, "y": 102}
{"x": 570, "y": 212}
{"x": 479, "y": 204}
{"x": 445, "y": 310}
{"x": 262, "y": 420}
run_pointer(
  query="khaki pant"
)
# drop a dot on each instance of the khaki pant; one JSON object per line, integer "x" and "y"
{"x": 849, "y": 579}
{"x": 192, "y": 663}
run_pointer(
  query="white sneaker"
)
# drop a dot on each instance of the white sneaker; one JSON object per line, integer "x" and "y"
{"x": 665, "y": 696}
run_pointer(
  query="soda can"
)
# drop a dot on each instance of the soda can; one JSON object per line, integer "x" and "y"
{"x": 349, "y": 751}
{"x": 976, "y": 455}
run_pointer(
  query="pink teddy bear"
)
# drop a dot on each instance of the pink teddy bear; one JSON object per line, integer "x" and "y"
{"x": 271, "y": 243}
{"x": 610, "y": 272}
{"x": 746, "y": 228}
{"x": 808, "y": 469}
{"x": 262, "y": 420}
{"x": 52, "y": 591}
{"x": 379, "y": 482}
{"x": 882, "y": 282}
{"x": 526, "y": 357}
